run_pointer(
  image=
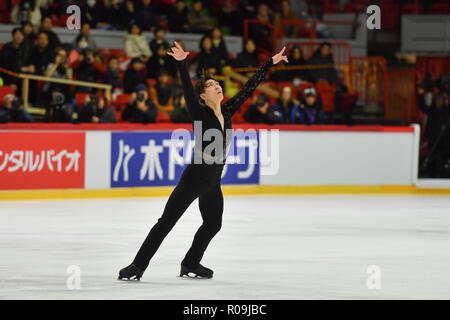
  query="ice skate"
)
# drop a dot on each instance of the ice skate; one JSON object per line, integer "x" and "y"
{"x": 198, "y": 272}
{"x": 130, "y": 273}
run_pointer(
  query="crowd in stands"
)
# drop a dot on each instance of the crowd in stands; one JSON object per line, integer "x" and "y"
{"x": 36, "y": 49}
{"x": 433, "y": 97}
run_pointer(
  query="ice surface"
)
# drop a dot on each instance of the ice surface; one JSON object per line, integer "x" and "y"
{"x": 270, "y": 247}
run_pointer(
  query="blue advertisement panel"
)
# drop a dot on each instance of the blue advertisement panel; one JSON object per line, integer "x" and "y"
{"x": 158, "y": 159}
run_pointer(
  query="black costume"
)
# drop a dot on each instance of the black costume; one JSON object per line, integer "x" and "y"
{"x": 199, "y": 180}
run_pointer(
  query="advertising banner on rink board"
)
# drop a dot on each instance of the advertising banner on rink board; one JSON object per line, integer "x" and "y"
{"x": 159, "y": 158}
{"x": 42, "y": 160}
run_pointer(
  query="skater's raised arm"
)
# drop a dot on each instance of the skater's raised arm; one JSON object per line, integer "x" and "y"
{"x": 194, "y": 107}
{"x": 235, "y": 103}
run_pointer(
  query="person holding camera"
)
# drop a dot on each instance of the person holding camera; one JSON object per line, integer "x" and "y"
{"x": 260, "y": 111}
{"x": 140, "y": 109}
{"x": 12, "y": 110}
{"x": 88, "y": 68}
{"x": 96, "y": 110}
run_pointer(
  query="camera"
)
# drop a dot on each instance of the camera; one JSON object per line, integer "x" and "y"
{"x": 140, "y": 97}
{"x": 16, "y": 104}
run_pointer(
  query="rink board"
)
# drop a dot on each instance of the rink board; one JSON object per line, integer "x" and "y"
{"x": 290, "y": 159}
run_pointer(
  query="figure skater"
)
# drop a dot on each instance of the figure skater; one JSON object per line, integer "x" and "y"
{"x": 200, "y": 179}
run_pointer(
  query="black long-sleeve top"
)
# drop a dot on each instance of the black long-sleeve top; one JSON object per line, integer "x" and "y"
{"x": 209, "y": 120}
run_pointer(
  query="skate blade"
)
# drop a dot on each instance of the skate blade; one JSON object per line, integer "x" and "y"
{"x": 191, "y": 275}
{"x": 134, "y": 278}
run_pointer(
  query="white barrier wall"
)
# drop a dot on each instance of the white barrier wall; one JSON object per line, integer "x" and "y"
{"x": 49, "y": 159}
{"x": 344, "y": 158}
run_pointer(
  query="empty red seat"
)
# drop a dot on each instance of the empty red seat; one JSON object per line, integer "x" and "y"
{"x": 410, "y": 8}
{"x": 390, "y": 16}
{"x": 330, "y": 8}
{"x": 326, "y": 92}
{"x": 163, "y": 117}
{"x": 354, "y": 7}
{"x": 122, "y": 99}
{"x": 117, "y": 52}
{"x": 440, "y": 8}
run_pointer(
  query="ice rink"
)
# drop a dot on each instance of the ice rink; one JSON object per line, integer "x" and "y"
{"x": 270, "y": 247}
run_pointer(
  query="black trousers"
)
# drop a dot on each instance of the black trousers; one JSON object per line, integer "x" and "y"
{"x": 194, "y": 183}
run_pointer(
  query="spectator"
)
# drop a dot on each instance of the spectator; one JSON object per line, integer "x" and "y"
{"x": 180, "y": 113}
{"x": 29, "y": 38}
{"x": 96, "y": 110}
{"x": 208, "y": 61}
{"x": 26, "y": 10}
{"x": 248, "y": 58}
{"x": 116, "y": 13}
{"x": 285, "y": 105}
{"x": 290, "y": 30}
{"x": 88, "y": 69}
{"x": 102, "y": 14}
{"x": 161, "y": 61}
{"x": 231, "y": 17}
{"x": 140, "y": 108}
{"x": 136, "y": 45}
{"x": 42, "y": 55}
{"x": 112, "y": 75}
{"x": 46, "y": 26}
{"x": 158, "y": 40}
{"x": 13, "y": 58}
{"x": 60, "y": 69}
{"x": 219, "y": 46}
{"x": 147, "y": 16}
{"x": 12, "y": 110}
{"x": 261, "y": 33}
{"x": 128, "y": 15}
{"x": 89, "y": 40}
{"x": 248, "y": 8}
{"x": 261, "y": 111}
{"x": 296, "y": 76}
{"x": 310, "y": 111}
{"x": 161, "y": 93}
{"x": 198, "y": 22}
{"x": 134, "y": 75}
{"x": 178, "y": 19}
{"x": 323, "y": 56}
{"x": 437, "y": 109}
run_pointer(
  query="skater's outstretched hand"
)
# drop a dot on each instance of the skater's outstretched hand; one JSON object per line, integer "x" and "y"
{"x": 177, "y": 52}
{"x": 280, "y": 57}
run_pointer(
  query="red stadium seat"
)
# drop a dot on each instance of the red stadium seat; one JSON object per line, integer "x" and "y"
{"x": 79, "y": 98}
{"x": 151, "y": 82}
{"x": 4, "y": 91}
{"x": 302, "y": 86}
{"x": 330, "y": 8}
{"x": 390, "y": 14}
{"x": 326, "y": 92}
{"x": 163, "y": 117}
{"x": 410, "y": 8}
{"x": 117, "y": 52}
{"x": 122, "y": 99}
{"x": 440, "y": 8}
{"x": 354, "y": 8}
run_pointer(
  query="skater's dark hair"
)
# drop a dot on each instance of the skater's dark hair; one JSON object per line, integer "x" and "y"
{"x": 200, "y": 86}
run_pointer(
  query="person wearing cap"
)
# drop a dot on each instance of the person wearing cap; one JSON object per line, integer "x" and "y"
{"x": 12, "y": 110}
{"x": 310, "y": 110}
{"x": 140, "y": 109}
{"x": 260, "y": 111}
{"x": 135, "y": 74}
